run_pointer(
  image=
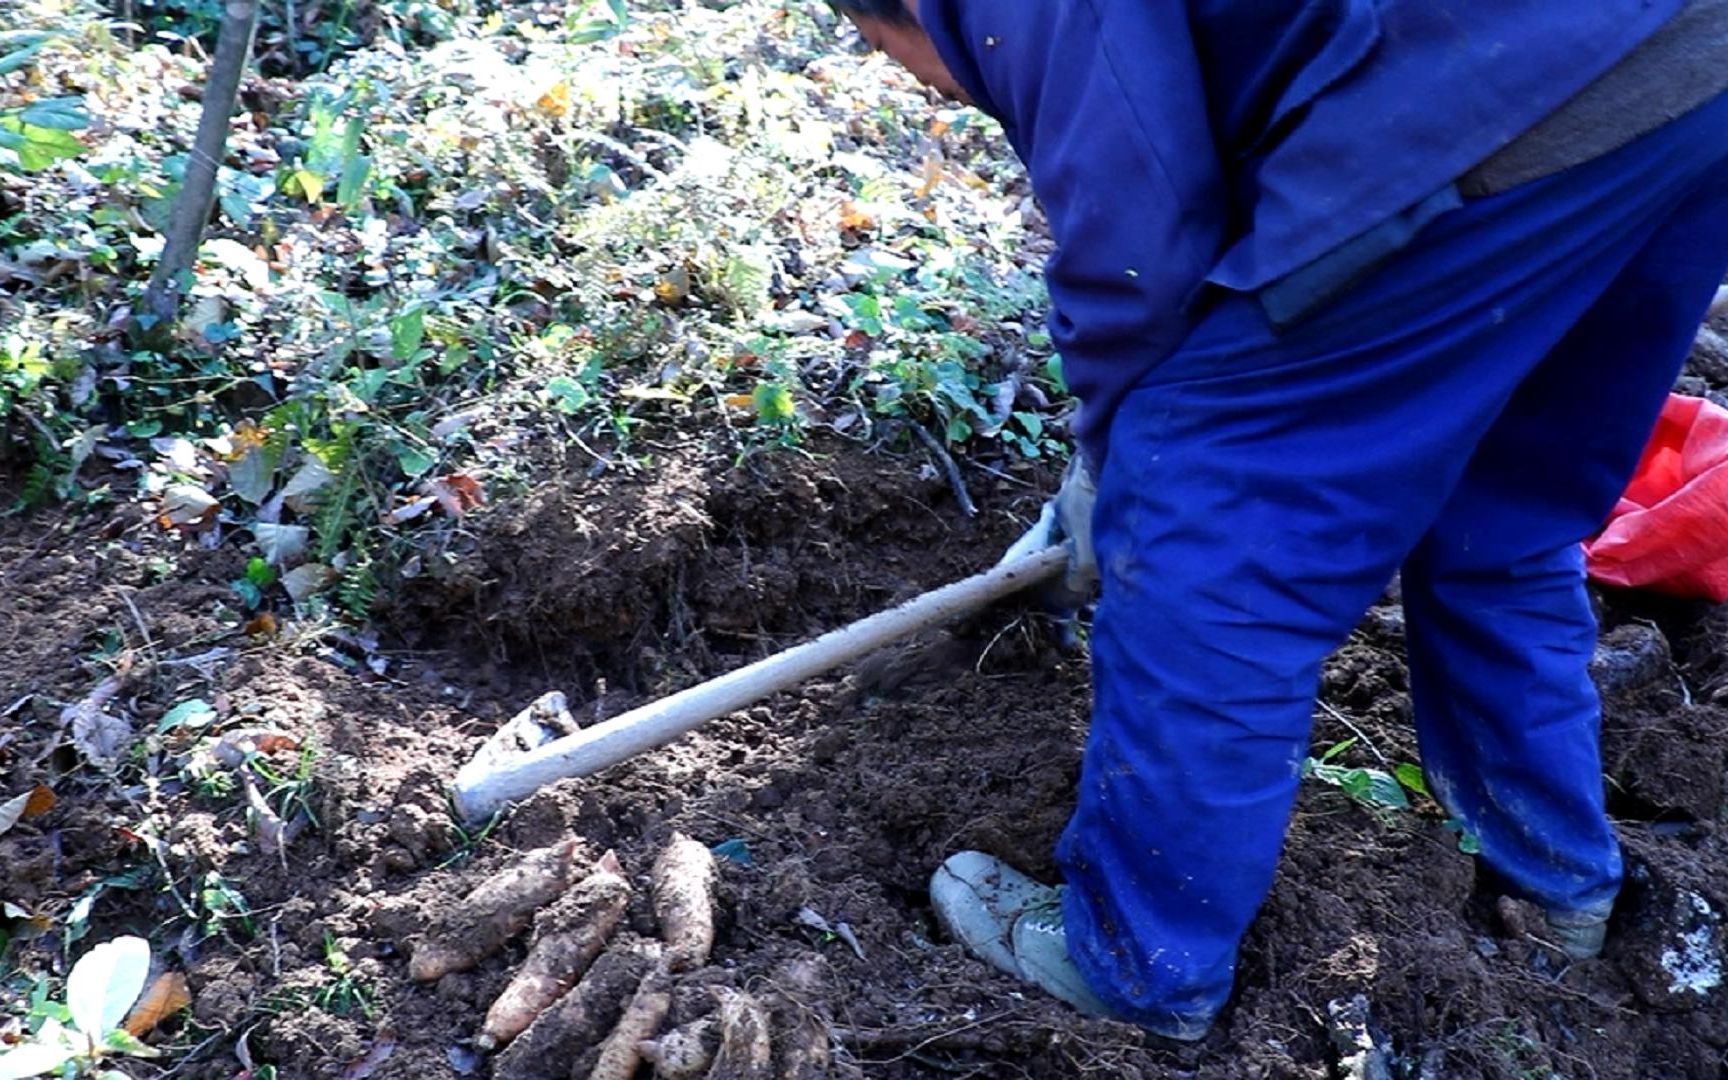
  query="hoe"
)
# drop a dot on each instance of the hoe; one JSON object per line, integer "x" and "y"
{"x": 543, "y": 744}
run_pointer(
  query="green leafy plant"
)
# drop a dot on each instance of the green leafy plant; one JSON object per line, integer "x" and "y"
{"x": 73, "y": 1038}
{"x": 260, "y": 575}
{"x": 35, "y": 136}
{"x": 1382, "y": 791}
{"x": 222, "y": 903}
{"x": 345, "y": 993}
{"x": 467, "y": 839}
{"x": 1468, "y": 842}
{"x": 1373, "y": 788}
{"x": 595, "y": 20}
{"x": 290, "y": 793}
{"x": 191, "y": 714}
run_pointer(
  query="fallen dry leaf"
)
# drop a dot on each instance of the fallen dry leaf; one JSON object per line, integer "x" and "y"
{"x": 458, "y": 493}
{"x": 854, "y": 219}
{"x": 555, "y": 101}
{"x": 272, "y": 831}
{"x": 930, "y": 174}
{"x": 673, "y": 288}
{"x": 164, "y": 997}
{"x": 33, "y": 803}
{"x": 21, "y": 924}
{"x": 100, "y": 736}
{"x": 96, "y": 734}
{"x": 41, "y": 800}
{"x": 247, "y": 436}
{"x": 307, "y": 578}
{"x": 12, "y": 811}
{"x": 233, "y": 748}
{"x": 410, "y": 511}
{"x": 362, "y": 1067}
{"x": 187, "y": 507}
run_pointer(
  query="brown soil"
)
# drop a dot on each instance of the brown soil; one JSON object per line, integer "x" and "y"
{"x": 622, "y": 586}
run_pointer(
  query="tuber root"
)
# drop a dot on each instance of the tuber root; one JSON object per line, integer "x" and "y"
{"x": 492, "y": 914}
{"x": 578, "y": 1020}
{"x": 746, "y": 1048}
{"x": 683, "y": 879}
{"x": 622, "y": 1052}
{"x": 572, "y": 932}
{"x": 801, "y": 1038}
{"x": 683, "y": 1052}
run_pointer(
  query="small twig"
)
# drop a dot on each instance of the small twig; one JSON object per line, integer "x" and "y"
{"x": 209, "y": 656}
{"x": 955, "y": 480}
{"x": 978, "y": 667}
{"x": 138, "y": 617}
{"x": 275, "y": 948}
{"x": 625, "y": 152}
{"x": 958, "y": 1038}
{"x": 191, "y": 1055}
{"x": 1546, "y": 944}
{"x": 1358, "y": 732}
{"x": 157, "y": 846}
{"x": 664, "y": 139}
{"x": 1000, "y": 475}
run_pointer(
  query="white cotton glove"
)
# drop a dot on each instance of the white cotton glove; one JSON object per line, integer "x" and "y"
{"x": 1066, "y": 520}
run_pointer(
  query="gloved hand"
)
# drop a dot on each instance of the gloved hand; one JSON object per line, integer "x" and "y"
{"x": 1067, "y": 520}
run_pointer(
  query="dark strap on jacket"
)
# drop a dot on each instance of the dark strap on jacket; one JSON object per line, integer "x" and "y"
{"x": 1680, "y": 67}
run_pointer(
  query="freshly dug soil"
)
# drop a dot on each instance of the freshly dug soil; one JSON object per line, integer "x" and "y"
{"x": 841, "y": 798}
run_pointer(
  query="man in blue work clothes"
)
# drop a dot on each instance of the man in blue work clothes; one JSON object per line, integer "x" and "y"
{"x": 1345, "y": 288}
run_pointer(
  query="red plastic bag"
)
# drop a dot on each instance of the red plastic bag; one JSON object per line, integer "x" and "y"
{"x": 1670, "y": 530}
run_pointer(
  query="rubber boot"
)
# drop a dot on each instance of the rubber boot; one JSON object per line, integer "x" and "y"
{"x": 1015, "y": 924}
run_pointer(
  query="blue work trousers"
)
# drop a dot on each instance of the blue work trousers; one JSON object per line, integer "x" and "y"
{"x": 1469, "y": 413}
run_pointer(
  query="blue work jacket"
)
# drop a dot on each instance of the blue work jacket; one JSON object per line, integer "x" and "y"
{"x": 1181, "y": 146}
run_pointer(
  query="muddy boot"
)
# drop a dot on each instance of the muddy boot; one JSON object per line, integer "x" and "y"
{"x": 1580, "y": 934}
{"x": 979, "y": 898}
{"x": 1015, "y": 924}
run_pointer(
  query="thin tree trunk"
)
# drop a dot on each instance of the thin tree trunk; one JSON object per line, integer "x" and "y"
{"x": 198, "y": 192}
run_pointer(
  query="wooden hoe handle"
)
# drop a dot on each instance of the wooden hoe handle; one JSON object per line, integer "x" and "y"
{"x": 483, "y": 787}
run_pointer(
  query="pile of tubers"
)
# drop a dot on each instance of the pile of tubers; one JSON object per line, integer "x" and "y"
{"x": 583, "y": 1005}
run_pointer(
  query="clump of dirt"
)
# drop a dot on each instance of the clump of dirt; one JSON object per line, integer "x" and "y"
{"x": 834, "y": 801}
{"x": 635, "y": 573}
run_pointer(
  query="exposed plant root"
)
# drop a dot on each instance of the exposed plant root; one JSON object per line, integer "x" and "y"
{"x": 685, "y": 1051}
{"x": 492, "y": 914}
{"x": 572, "y": 932}
{"x": 683, "y": 879}
{"x": 746, "y": 1048}
{"x": 622, "y": 1052}
{"x": 580, "y": 1019}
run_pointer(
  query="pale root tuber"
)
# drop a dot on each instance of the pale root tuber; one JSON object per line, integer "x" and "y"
{"x": 746, "y": 1046}
{"x": 801, "y": 1041}
{"x": 683, "y": 879}
{"x": 683, "y": 1052}
{"x": 571, "y": 933}
{"x": 480, "y": 924}
{"x": 580, "y": 1019}
{"x": 622, "y": 1052}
